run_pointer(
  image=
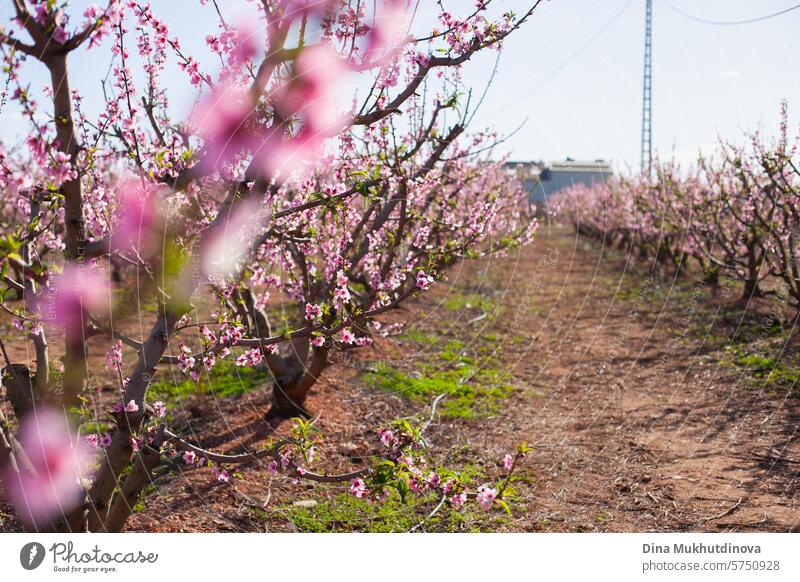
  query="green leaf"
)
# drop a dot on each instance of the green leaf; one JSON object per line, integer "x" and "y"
{"x": 504, "y": 505}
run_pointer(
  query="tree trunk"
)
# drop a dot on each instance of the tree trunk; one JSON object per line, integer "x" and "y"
{"x": 140, "y": 476}
{"x": 750, "y": 290}
{"x": 75, "y": 367}
{"x": 21, "y": 390}
{"x": 290, "y": 390}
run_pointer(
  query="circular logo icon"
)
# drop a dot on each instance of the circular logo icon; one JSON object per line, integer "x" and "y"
{"x": 31, "y": 555}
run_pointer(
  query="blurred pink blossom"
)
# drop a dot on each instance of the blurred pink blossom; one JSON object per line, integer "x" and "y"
{"x": 293, "y": 9}
{"x": 77, "y": 289}
{"x": 58, "y": 458}
{"x": 228, "y": 243}
{"x": 138, "y": 218}
{"x": 223, "y": 118}
{"x": 311, "y": 93}
{"x": 388, "y": 33}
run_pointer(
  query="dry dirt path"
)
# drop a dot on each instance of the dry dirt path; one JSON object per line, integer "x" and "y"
{"x": 636, "y": 424}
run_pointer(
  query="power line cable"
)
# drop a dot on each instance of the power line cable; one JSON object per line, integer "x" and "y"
{"x": 730, "y": 22}
{"x": 578, "y": 52}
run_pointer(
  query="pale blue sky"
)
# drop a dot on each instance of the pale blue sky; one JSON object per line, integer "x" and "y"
{"x": 708, "y": 80}
{"x": 575, "y": 73}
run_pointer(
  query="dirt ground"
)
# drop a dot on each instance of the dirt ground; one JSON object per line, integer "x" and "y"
{"x": 636, "y": 422}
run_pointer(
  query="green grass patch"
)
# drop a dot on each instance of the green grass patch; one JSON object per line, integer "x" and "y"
{"x": 769, "y": 369}
{"x": 473, "y": 388}
{"x": 766, "y": 369}
{"x": 225, "y": 380}
{"x": 419, "y": 336}
{"x": 346, "y": 513}
{"x": 462, "y": 302}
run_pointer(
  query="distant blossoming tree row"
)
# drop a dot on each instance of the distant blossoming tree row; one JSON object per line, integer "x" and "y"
{"x": 274, "y": 185}
{"x": 736, "y": 214}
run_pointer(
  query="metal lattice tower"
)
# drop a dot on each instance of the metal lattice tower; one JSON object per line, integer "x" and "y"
{"x": 647, "y": 99}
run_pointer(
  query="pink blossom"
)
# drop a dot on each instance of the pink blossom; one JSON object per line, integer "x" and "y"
{"x": 388, "y": 437}
{"x": 38, "y": 148}
{"x": 341, "y": 295}
{"x": 61, "y": 169}
{"x": 192, "y": 68}
{"x": 159, "y": 409}
{"x": 485, "y": 496}
{"x": 136, "y": 443}
{"x": 254, "y": 356}
{"x": 137, "y": 218}
{"x": 131, "y": 407}
{"x": 422, "y": 59}
{"x": 189, "y": 457}
{"x": 318, "y": 341}
{"x": 222, "y": 475}
{"x": 91, "y": 440}
{"x": 42, "y": 13}
{"x": 245, "y": 41}
{"x": 458, "y": 500}
{"x": 280, "y": 157}
{"x": 76, "y": 290}
{"x": 348, "y": 337}
{"x": 508, "y": 462}
{"x": 224, "y": 247}
{"x": 293, "y": 9}
{"x": 231, "y": 335}
{"x": 434, "y": 480}
{"x": 313, "y": 311}
{"x": 272, "y": 467}
{"x": 185, "y": 360}
{"x": 311, "y": 93}
{"x": 358, "y": 487}
{"x": 223, "y": 118}
{"x": 114, "y": 356}
{"x": 388, "y": 35}
{"x": 423, "y": 280}
{"x": 208, "y": 335}
{"x": 105, "y": 440}
{"x": 57, "y": 458}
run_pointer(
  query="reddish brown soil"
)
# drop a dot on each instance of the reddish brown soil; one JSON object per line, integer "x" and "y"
{"x": 635, "y": 423}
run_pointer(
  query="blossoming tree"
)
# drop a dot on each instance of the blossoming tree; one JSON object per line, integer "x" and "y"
{"x": 735, "y": 213}
{"x": 271, "y": 185}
